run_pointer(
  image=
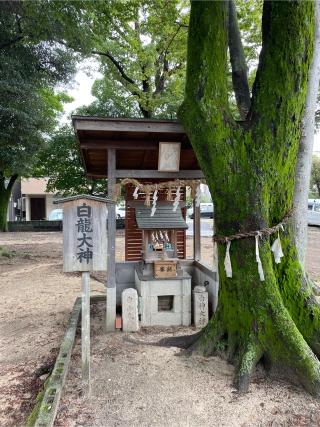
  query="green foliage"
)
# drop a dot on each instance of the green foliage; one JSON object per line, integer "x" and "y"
{"x": 249, "y": 17}
{"x": 315, "y": 174}
{"x": 142, "y": 62}
{"x": 30, "y": 66}
{"x": 143, "y": 66}
{"x": 33, "y": 59}
{"x": 60, "y": 161}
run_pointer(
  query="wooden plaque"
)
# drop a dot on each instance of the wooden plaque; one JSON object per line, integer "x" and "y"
{"x": 84, "y": 235}
{"x": 165, "y": 268}
{"x": 169, "y": 156}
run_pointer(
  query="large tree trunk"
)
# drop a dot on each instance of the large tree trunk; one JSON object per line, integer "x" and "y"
{"x": 250, "y": 171}
{"x": 304, "y": 162}
{"x": 5, "y": 194}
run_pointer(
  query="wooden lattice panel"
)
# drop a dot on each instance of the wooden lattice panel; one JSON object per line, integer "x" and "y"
{"x": 133, "y": 236}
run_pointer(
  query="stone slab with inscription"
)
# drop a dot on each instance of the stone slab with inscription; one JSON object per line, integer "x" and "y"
{"x": 130, "y": 316}
{"x": 200, "y": 307}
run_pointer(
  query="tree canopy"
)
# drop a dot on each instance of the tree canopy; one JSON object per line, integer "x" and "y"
{"x": 142, "y": 63}
{"x": 31, "y": 64}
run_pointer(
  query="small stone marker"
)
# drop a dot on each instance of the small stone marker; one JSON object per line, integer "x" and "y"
{"x": 130, "y": 319}
{"x": 200, "y": 306}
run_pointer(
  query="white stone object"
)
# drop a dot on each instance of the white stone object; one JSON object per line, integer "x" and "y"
{"x": 130, "y": 318}
{"x": 200, "y": 307}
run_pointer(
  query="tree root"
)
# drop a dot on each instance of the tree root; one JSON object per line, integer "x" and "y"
{"x": 184, "y": 342}
{"x": 233, "y": 347}
{"x": 294, "y": 354}
{"x": 209, "y": 339}
{"x": 249, "y": 358}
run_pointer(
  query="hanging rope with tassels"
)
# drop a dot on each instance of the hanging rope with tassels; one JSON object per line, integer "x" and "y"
{"x": 276, "y": 247}
{"x": 166, "y": 185}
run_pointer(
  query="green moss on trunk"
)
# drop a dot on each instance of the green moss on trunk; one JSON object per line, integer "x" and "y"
{"x": 250, "y": 170}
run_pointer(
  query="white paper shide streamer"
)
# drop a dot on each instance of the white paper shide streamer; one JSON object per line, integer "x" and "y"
{"x": 260, "y": 269}
{"x": 177, "y": 199}
{"x": 276, "y": 248}
{"x": 154, "y": 203}
{"x": 227, "y": 260}
{"x": 136, "y": 192}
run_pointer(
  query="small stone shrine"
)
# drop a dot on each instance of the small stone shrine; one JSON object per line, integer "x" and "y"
{"x": 163, "y": 287}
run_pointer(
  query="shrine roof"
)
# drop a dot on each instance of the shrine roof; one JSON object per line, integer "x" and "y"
{"x": 136, "y": 142}
{"x": 83, "y": 197}
{"x": 164, "y": 218}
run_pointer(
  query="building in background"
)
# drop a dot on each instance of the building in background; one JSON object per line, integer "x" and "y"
{"x": 30, "y": 201}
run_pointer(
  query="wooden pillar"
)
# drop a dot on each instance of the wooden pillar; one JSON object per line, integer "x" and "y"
{"x": 196, "y": 232}
{"x": 111, "y": 268}
{"x": 85, "y": 333}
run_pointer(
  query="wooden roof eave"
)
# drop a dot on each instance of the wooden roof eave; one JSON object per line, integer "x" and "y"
{"x": 96, "y": 135}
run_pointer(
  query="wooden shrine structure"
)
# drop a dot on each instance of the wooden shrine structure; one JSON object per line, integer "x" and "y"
{"x": 118, "y": 148}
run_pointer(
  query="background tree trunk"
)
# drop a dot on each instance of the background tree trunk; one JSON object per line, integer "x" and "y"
{"x": 5, "y": 194}
{"x": 250, "y": 172}
{"x": 238, "y": 63}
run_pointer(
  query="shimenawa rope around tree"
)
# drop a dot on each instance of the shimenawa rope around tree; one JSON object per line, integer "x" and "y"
{"x": 267, "y": 231}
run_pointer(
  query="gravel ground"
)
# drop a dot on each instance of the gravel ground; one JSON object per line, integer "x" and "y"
{"x": 37, "y": 299}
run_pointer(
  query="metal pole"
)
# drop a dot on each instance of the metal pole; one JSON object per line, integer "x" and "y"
{"x": 85, "y": 333}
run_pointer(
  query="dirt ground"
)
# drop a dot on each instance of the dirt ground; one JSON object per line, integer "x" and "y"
{"x": 136, "y": 384}
{"x": 133, "y": 384}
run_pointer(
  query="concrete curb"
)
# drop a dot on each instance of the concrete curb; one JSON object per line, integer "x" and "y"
{"x": 54, "y": 384}
{"x": 50, "y": 402}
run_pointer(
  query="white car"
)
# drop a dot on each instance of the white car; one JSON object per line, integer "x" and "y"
{"x": 314, "y": 212}
{"x": 56, "y": 215}
{"x": 206, "y": 211}
{"x": 120, "y": 212}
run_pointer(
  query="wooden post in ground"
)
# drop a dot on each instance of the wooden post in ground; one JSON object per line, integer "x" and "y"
{"x": 196, "y": 232}
{"x": 85, "y": 332}
{"x": 111, "y": 268}
{"x": 85, "y": 250}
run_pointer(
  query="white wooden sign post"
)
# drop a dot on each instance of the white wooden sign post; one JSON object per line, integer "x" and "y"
{"x": 85, "y": 250}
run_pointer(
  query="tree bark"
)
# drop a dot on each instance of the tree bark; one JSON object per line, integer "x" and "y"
{"x": 5, "y": 194}
{"x": 250, "y": 172}
{"x": 304, "y": 162}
